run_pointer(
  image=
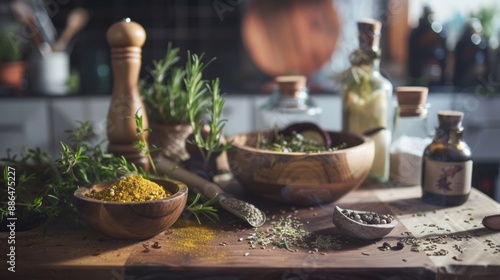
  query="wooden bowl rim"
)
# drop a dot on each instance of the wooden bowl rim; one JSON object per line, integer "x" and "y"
{"x": 182, "y": 191}
{"x": 365, "y": 139}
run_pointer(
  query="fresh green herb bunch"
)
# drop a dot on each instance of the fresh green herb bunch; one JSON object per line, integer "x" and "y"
{"x": 53, "y": 182}
{"x": 45, "y": 187}
{"x": 211, "y": 143}
{"x": 180, "y": 95}
{"x": 167, "y": 96}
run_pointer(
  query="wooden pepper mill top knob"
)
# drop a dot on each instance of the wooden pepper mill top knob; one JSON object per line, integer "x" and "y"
{"x": 126, "y": 33}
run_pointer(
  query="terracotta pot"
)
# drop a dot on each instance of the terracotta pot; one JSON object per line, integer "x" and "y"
{"x": 171, "y": 139}
{"x": 12, "y": 74}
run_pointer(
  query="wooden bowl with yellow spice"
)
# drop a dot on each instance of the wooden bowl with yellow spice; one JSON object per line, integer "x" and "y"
{"x": 299, "y": 177}
{"x": 131, "y": 209}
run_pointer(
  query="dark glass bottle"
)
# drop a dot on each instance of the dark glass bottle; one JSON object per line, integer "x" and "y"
{"x": 447, "y": 163}
{"x": 427, "y": 52}
{"x": 471, "y": 56}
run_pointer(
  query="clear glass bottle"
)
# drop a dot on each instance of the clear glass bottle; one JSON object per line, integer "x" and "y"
{"x": 290, "y": 103}
{"x": 411, "y": 136}
{"x": 366, "y": 97}
{"x": 447, "y": 163}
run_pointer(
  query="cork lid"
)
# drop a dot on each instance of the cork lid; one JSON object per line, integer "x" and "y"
{"x": 126, "y": 33}
{"x": 450, "y": 119}
{"x": 412, "y": 100}
{"x": 369, "y": 33}
{"x": 291, "y": 86}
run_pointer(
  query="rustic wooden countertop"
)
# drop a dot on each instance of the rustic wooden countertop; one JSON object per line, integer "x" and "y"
{"x": 211, "y": 251}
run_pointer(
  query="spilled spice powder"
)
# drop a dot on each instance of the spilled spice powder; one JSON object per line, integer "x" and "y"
{"x": 192, "y": 239}
{"x": 131, "y": 189}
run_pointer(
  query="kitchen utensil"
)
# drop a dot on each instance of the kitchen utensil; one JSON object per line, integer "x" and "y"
{"x": 492, "y": 222}
{"x": 244, "y": 210}
{"x": 301, "y": 178}
{"x": 43, "y": 22}
{"x": 359, "y": 230}
{"x": 126, "y": 39}
{"x": 77, "y": 19}
{"x": 25, "y": 14}
{"x": 284, "y": 36}
{"x": 131, "y": 220}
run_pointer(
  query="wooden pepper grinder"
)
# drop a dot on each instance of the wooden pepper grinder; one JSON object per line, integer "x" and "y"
{"x": 126, "y": 39}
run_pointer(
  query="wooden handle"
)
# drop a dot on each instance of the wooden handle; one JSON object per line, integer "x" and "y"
{"x": 194, "y": 182}
{"x": 76, "y": 21}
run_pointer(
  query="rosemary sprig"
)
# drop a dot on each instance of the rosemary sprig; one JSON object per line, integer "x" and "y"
{"x": 197, "y": 100}
{"x": 205, "y": 209}
{"x": 211, "y": 143}
{"x": 142, "y": 144}
{"x": 165, "y": 102}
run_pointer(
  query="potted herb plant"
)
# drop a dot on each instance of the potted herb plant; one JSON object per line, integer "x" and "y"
{"x": 180, "y": 104}
{"x": 12, "y": 65}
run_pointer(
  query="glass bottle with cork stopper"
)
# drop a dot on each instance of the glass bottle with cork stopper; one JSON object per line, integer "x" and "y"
{"x": 366, "y": 97}
{"x": 290, "y": 103}
{"x": 411, "y": 136}
{"x": 447, "y": 163}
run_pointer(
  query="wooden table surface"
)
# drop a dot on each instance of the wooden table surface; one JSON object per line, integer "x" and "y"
{"x": 212, "y": 251}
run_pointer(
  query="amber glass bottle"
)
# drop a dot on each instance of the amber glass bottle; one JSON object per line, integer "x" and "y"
{"x": 447, "y": 163}
{"x": 427, "y": 52}
{"x": 471, "y": 56}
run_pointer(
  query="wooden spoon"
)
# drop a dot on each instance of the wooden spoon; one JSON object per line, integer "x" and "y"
{"x": 77, "y": 19}
{"x": 239, "y": 208}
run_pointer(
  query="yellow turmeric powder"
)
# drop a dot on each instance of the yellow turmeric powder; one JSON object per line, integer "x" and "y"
{"x": 131, "y": 189}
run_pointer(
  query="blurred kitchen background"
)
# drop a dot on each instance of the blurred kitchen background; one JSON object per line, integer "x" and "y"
{"x": 450, "y": 46}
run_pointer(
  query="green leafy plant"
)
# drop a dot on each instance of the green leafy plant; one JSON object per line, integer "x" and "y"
{"x": 142, "y": 144}
{"x": 486, "y": 15}
{"x": 165, "y": 96}
{"x": 205, "y": 209}
{"x": 10, "y": 50}
{"x": 45, "y": 186}
{"x": 210, "y": 143}
{"x": 180, "y": 95}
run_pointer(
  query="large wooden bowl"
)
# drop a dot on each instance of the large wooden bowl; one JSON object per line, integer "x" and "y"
{"x": 131, "y": 220}
{"x": 301, "y": 178}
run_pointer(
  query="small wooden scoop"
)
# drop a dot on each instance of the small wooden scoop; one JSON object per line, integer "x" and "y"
{"x": 492, "y": 222}
{"x": 244, "y": 210}
{"x": 359, "y": 230}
